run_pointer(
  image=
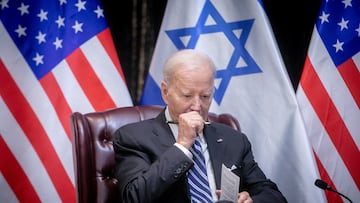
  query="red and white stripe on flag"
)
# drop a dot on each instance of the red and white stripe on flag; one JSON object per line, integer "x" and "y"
{"x": 36, "y": 161}
{"x": 329, "y": 97}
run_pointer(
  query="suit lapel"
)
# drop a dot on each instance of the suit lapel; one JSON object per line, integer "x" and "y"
{"x": 162, "y": 130}
{"x": 215, "y": 147}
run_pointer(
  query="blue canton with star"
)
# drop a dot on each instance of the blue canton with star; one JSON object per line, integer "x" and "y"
{"x": 228, "y": 29}
{"x": 339, "y": 27}
{"x": 46, "y": 32}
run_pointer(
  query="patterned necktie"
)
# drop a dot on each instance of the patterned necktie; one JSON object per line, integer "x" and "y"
{"x": 197, "y": 177}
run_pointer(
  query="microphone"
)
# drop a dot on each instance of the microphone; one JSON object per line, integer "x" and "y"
{"x": 323, "y": 185}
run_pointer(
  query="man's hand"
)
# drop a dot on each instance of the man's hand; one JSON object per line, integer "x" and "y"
{"x": 190, "y": 124}
{"x": 243, "y": 197}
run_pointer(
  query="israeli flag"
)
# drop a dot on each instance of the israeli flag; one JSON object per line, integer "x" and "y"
{"x": 251, "y": 83}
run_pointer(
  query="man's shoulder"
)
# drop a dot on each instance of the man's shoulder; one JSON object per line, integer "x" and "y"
{"x": 227, "y": 131}
{"x": 223, "y": 126}
{"x": 139, "y": 124}
{"x": 134, "y": 130}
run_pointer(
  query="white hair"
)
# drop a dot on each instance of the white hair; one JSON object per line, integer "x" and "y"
{"x": 186, "y": 58}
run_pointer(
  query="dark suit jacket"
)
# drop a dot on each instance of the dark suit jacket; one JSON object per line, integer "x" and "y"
{"x": 151, "y": 169}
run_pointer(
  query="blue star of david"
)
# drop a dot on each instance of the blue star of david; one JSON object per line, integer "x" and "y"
{"x": 220, "y": 25}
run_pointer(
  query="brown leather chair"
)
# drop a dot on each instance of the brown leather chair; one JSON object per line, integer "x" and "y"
{"x": 93, "y": 151}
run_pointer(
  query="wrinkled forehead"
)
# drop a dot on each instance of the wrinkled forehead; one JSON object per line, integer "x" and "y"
{"x": 194, "y": 81}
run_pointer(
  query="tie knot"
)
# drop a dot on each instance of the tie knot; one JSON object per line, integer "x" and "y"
{"x": 196, "y": 147}
{"x": 197, "y": 143}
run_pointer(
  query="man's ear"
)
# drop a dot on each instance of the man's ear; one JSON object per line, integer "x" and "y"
{"x": 164, "y": 91}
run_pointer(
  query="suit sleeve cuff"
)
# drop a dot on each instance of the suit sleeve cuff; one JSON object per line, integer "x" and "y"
{"x": 184, "y": 150}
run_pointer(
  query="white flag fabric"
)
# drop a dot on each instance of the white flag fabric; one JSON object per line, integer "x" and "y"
{"x": 329, "y": 97}
{"x": 251, "y": 83}
{"x": 56, "y": 57}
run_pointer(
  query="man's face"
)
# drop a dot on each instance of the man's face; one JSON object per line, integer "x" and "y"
{"x": 190, "y": 90}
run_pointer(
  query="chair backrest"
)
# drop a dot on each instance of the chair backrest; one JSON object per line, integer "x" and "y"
{"x": 93, "y": 152}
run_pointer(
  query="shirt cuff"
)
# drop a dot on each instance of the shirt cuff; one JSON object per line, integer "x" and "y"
{"x": 183, "y": 149}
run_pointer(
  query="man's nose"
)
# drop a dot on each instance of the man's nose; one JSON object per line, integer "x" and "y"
{"x": 196, "y": 104}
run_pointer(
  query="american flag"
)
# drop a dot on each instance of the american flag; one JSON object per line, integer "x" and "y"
{"x": 329, "y": 96}
{"x": 57, "y": 57}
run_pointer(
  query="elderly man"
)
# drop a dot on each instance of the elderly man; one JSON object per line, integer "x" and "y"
{"x": 155, "y": 159}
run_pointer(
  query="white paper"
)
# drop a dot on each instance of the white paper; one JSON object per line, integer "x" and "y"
{"x": 229, "y": 185}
